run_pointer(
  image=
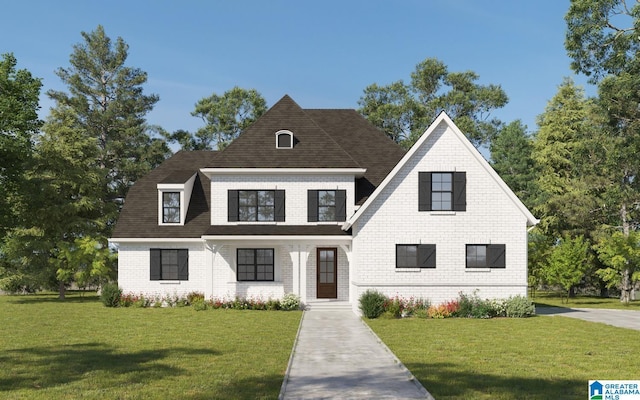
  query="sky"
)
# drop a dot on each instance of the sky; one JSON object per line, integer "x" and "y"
{"x": 321, "y": 53}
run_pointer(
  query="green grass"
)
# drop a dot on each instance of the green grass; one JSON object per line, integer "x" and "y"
{"x": 531, "y": 358}
{"x": 77, "y": 348}
{"x": 554, "y": 299}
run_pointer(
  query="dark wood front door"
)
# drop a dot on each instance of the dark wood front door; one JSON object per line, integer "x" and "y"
{"x": 327, "y": 273}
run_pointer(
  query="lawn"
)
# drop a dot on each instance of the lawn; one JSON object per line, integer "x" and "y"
{"x": 502, "y": 358}
{"x": 553, "y": 299}
{"x": 77, "y": 348}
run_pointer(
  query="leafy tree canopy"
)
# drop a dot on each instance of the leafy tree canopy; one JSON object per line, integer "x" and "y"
{"x": 404, "y": 111}
{"x": 602, "y": 36}
{"x": 225, "y": 117}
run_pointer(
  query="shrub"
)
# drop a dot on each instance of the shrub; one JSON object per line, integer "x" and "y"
{"x": 394, "y": 307}
{"x": 193, "y": 296}
{"x": 273, "y": 304}
{"x": 372, "y": 303}
{"x": 199, "y": 304}
{"x": 471, "y": 306}
{"x": 519, "y": 307}
{"x": 110, "y": 295}
{"x": 290, "y": 302}
{"x": 421, "y": 313}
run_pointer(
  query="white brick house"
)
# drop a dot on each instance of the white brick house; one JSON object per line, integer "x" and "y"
{"x": 322, "y": 204}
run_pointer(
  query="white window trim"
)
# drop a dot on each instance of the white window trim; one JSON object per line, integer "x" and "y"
{"x": 284, "y": 132}
{"x": 161, "y": 208}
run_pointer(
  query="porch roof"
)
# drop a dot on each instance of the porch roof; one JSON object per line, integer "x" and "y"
{"x": 277, "y": 230}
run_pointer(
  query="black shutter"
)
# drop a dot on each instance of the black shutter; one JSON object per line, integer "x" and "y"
{"x": 183, "y": 264}
{"x": 427, "y": 256}
{"x": 459, "y": 191}
{"x": 232, "y": 214}
{"x": 341, "y": 205}
{"x": 496, "y": 256}
{"x": 424, "y": 191}
{"x": 279, "y": 205}
{"x": 312, "y": 205}
{"x": 154, "y": 269}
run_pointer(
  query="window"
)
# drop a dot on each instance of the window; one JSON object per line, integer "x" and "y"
{"x": 169, "y": 264}
{"x": 256, "y": 205}
{"x": 326, "y": 205}
{"x": 255, "y": 264}
{"x": 171, "y": 207}
{"x": 442, "y": 191}
{"x": 284, "y": 140}
{"x": 415, "y": 256}
{"x": 486, "y": 256}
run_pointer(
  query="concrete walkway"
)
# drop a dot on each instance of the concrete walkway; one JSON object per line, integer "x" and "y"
{"x": 336, "y": 356}
{"x": 621, "y": 318}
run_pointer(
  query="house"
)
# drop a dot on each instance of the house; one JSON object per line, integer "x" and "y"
{"x": 323, "y": 204}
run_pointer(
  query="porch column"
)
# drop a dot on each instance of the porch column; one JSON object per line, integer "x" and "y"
{"x": 294, "y": 253}
{"x": 303, "y": 250}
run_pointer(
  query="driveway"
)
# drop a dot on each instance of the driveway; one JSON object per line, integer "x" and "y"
{"x": 621, "y": 318}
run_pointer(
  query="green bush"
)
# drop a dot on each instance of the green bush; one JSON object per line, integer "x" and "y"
{"x": 372, "y": 303}
{"x": 519, "y": 307}
{"x": 110, "y": 295}
{"x": 472, "y": 306}
{"x": 193, "y": 296}
{"x": 273, "y": 304}
{"x": 199, "y": 304}
{"x": 394, "y": 307}
{"x": 290, "y": 302}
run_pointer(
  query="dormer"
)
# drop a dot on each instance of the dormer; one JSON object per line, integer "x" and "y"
{"x": 174, "y": 195}
{"x": 284, "y": 139}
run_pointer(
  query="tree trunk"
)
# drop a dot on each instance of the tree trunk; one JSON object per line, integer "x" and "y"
{"x": 61, "y": 290}
{"x": 625, "y": 292}
{"x": 625, "y": 289}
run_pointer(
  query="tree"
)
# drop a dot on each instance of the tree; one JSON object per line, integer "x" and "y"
{"x": 64, "y": 208}
{"x": 602, "y": 37}
{"x": 225, "y": 118}
{"x": 620, "y": 253}
{"x": 568, "y": 262}
{"x": 19, "y": 123}
{"x": 569, "y": 160}
{"x": 511, "y": 158}
{"x": 404, "y": 111}
{"x": 107, "y": 103}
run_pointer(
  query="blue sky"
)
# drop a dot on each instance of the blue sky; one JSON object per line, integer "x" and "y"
{"x": 321, "y": 53}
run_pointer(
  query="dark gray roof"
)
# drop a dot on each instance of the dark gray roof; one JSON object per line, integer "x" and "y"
{"x": 139, "y": 216}
{"x": 313, "y": 146}
{"x": 322, "y": 139}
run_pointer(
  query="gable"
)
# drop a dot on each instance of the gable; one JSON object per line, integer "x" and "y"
{"x": 443, "y": 148}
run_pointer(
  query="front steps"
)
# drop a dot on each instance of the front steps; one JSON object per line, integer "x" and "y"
{"x": 328, "y": 305}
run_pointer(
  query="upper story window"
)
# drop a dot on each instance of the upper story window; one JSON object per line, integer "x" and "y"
{"x": 486, "y": 256}
{"x": 326, "y": 205}
{"x": 415, "y": 256}
{"x": 284, "y": 139}
{"x": 442, "y": 191}
{"x": 171, "y": 207}
{"x": 256, "y": 205}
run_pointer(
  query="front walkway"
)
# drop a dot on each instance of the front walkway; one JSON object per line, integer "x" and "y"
{"x": 621, "y": 318}
{"x": 336, "y": 356}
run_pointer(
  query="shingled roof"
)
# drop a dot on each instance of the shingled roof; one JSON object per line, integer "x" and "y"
{"x": 139, "y": 216}
{"x": 323, "y": 138}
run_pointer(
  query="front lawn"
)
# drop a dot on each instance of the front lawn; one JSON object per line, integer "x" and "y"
{"x": 77, "y": 348}
{"x": 554, "y": 299}
{"x": 503, "y": 358}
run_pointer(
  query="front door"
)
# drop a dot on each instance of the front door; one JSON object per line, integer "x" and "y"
{"x": 327, "y": 273}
